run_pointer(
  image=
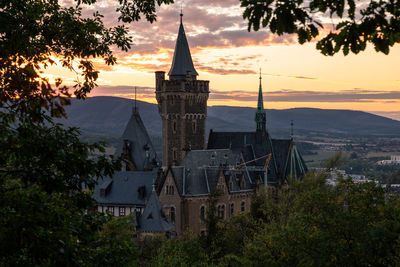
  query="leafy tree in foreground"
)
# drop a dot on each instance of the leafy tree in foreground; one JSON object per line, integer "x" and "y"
{"x": 357, "y": 22}
{"x": 37, "y": 34}
{"x": 46, "y": 172}
{"x": 316, "y": 225}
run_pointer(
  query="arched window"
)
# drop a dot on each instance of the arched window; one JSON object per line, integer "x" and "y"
{"x": 221, "y": 211}
{"x": 202, "y": 212}
{"x": 242, "y": 183}
{"x": 167, "y": 190}
{"x": 172, "y": 215}
{"x": 232, "y": 209}
{"x": 243, "y": 206}
{"x": 171, "y": 189}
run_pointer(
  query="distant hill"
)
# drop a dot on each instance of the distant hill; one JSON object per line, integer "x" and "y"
{"x": 108, "y": 116}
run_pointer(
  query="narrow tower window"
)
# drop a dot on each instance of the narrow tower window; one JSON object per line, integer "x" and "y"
{"x": 194, "y": 126}
{"x": 243, "y": 206}
{"x": 202, "y": 212}
{"x": 174, "y": 126}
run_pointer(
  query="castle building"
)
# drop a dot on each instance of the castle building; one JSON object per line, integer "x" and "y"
{"x": 182, "y": 104}
{"x": 234, "y": 163}
{"x": 131, "y": 191}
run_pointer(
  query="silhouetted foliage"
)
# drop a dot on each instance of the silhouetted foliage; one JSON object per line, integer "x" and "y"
{"x": 306, "y": 224}
{"x": 46, "y": 173}
{"x": 376, "y": 22}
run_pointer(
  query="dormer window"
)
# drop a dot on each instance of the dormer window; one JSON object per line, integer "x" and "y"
{"x": 242, "y": 183}
{"x": 169, "y": 190}
{"x": 230, "y": 184}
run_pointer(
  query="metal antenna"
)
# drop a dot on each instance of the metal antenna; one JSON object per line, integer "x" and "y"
{"x": 135, "y": 98}
{"x": 291, "y": 129}
{"x": 181, "y": 11}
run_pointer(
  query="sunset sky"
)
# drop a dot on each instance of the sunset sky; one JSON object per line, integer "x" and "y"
{"x": 230, "y": 57}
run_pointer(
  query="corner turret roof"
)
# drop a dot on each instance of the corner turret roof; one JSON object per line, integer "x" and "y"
{"x": 153, "y": 217}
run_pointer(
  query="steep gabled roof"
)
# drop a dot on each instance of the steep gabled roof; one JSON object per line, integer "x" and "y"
{"x": 141, "y": 150}
{"x": 285, "y": 160}
{"x": 153, "y": 217}
{"x": 198, "y": 172}
{"x": 295, "y": 164}
{"x": 182, "y": 62}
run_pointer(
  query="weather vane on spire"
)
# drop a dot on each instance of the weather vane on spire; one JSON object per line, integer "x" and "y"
{"x": 135, "y": 98}
{"x": 181, "y": 10}
{"x": 260, "y": 74}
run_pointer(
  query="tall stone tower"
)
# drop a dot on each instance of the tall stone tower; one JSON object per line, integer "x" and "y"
{"x": 182, "y": 104}
{"x": 261, "y": 117}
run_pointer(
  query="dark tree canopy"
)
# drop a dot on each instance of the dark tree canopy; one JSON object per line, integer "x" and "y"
{"x": 34, "y": 33}
{"x": 356, "y": 22}
{"x": 47, "y": 174}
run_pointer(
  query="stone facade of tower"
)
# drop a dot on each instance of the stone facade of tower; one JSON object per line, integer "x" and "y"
{"x": 182, "y": 105}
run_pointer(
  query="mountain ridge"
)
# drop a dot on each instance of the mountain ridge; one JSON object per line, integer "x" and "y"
{"x": 109, "y": 115}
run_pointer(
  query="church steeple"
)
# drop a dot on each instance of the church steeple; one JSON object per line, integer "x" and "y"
{"x": 260, "y": 117}
{"x": 182, "y": 63}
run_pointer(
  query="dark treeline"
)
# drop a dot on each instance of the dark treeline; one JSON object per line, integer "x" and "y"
{"x": 306, "y": 224}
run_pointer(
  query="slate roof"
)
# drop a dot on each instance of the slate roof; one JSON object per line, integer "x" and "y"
{"x": 182, "y": 62}
{"x": 285, "y": 158}
{"x": 153, "y": 217}
{"x": 125, "y": 188}
{"x": 139, "y": 141}
{"x": 198, "y": 172}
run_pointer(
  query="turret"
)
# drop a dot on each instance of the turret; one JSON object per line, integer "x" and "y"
{"x": 182, "y": 104}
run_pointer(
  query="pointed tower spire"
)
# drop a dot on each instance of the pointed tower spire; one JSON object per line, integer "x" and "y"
{"x": 260, "y": 104}
{"x": 260, "y": 117}
{"x": 182, "y": 64}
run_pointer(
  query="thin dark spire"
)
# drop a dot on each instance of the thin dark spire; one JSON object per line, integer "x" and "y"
{"x": 260, "y": 103}
{"x": 181, "y": 12}
{"x": 260, "y": 117}
{"x": 291, "y": 130}
{"x": 135, "y": 99}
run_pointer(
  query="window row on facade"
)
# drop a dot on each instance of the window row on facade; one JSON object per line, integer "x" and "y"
{"x": 221, "y": 210}
{"x": 119, "y": 211}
